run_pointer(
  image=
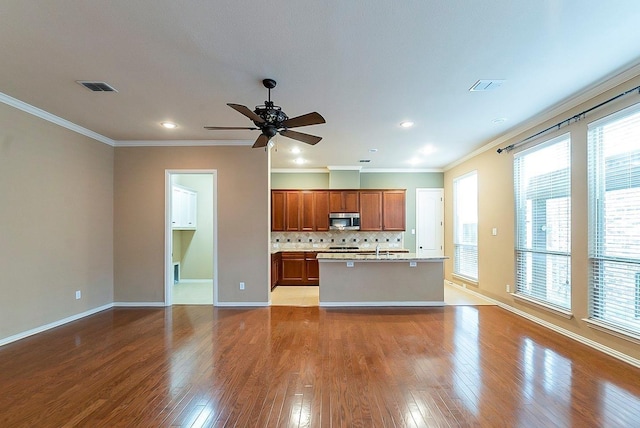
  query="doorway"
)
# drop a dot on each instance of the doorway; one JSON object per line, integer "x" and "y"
{"x": 191, "y": 237}
{"x": 430, "y": 222}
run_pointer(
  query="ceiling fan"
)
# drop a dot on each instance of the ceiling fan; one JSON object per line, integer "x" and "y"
{"x": 271, "y": 120}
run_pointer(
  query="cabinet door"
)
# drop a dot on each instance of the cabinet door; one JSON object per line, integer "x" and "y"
{"x": 307, "y": 211}
{"x": 393, "y": 210}
{"x": 176, "y": 207}
{"x": 370, "y": 210}
{"x": 277, "y": 210}
{"x": 276, "y": 261}
{"x": 321, "y": 214}
{"x": 312, "y": 270}
{"x": 191, "y": 206}
{"x": 351, "y": 201}
{"x": 292, "y": 207}
{"x": 293, "y": 269}
{"x": 344, "y": 201}
{"x": 335, "y": 201}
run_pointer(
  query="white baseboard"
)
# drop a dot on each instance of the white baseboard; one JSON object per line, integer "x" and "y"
{"x": 380, "y": 304}
{"x": 242, "y": 304}
{"x": 585, "y": 341}
{"x": 139, "y": 304}
{"x": 54, "y": 324}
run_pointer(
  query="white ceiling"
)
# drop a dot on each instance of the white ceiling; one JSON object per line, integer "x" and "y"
{"x": 365, "y": 65}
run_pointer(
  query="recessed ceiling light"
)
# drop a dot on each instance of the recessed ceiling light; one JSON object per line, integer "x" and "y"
{"x": 499, "y": 120}
{"x": 299, "y": 161}
{"x": 168, "y": 125}
{"x": 406, "y": 124}
{"x": 428, "y": 149}
{"x": 295, "y": 150}
{"x": 415, "y": 161}
{"x": 373, "y": 150}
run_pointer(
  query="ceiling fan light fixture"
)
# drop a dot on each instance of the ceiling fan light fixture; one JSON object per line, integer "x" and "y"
{"x": 168, "y": 125}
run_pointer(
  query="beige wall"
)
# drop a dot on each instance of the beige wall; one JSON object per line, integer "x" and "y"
{"x": 56, "y": 222}
{"x": 243, "y": 219}
{"x": 496, "y": 209}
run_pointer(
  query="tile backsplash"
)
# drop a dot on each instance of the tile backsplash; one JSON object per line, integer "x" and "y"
{"x": 320, "y": 240}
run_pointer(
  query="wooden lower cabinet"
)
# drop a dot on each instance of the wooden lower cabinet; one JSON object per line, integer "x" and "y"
{"x": 297, "y": 268}
{"x": 276, "y": 267}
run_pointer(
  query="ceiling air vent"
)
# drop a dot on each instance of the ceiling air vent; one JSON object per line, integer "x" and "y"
{"x": 486, "y": 85}
{"x": 365, "y": 160}
{"x": 97, "y": 86}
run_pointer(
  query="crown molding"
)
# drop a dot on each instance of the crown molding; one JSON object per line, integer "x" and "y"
{"x": 35, "y": 111}
{"x": 401, "y": 170}
{"x": 299, "y": 170}
{"x": 184, "y": 143}
{"x": 344, "y": 168}
{"x": 598, "y": 88}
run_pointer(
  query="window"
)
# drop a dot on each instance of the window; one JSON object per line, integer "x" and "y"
{"x": 614, "y": 220}
{"x": 542, "y": 178}
{"x": 465, "y": 235}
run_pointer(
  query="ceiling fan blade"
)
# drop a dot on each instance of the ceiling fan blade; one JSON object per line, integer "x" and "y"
{"x": 227, "y": 127}
{"x": 246, "y": 111}
{"x": 304, "y": 120}
{"x": 305, "y": 138}
{"x": 261, "y": 141}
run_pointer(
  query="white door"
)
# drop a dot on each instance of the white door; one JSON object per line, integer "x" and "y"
{"x": 430, "y": 222}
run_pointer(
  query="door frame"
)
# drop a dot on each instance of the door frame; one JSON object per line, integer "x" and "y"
{"x": 168, "y": 232}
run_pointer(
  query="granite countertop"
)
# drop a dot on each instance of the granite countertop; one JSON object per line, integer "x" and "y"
{"x": 372, "y": 257}
{"x": 339, "y": 250}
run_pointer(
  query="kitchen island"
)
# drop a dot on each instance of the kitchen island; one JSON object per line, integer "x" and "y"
{"x": 380, "y": 280}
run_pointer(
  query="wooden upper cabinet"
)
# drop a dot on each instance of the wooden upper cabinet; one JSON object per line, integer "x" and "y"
{"x": 321, "y": 210}
{"x": 393, "y": 210}
{"x": 370, "y": 210}
{"x": 307, "y": 211}
{"x": 344, "y": 201}
{"x": 277, "y": 210}
{"x": 292, "y": 210}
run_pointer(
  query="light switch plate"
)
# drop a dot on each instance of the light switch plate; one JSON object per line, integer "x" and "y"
{"x": 349, "y": 264}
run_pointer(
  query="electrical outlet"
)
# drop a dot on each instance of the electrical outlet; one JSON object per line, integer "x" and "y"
{"x": 508, "y": 288}
{"x": 242, "y": 286}
{"x": 78, "y": 294}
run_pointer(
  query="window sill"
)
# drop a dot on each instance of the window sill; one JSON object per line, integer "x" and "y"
{"x": 550, "y": 308}
{"x": 465, "y": 279}
{"x": 614, "y": 331}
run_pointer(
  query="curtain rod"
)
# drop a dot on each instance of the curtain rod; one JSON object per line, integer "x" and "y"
{"x": 575, "y": 118}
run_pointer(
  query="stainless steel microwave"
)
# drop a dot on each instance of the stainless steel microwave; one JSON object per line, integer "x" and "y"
{"x": 344, "y": 221}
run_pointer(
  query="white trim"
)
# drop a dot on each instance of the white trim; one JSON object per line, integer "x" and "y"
{"x": 383, "y": 303}
{"x": 617, "y": 332}
{"x": 362, "y": 170}
{"x": 597, "y": 89}
{"x": 242, "y": 304}
{"x": 174, "y": 143}
{"x": 194, "y": 280}
{"x": 544, "y": 306}
{"x": 299, "y": 171}
{"x": 138, "y": 304}
{"x": 343, "y": 168}
{"x": 54, "y": 324}
{"x": 465, "y": 278}
{"x": 591, "y": 343}
{"x": 401, "y": 170}
{"x": 35, "y": 111}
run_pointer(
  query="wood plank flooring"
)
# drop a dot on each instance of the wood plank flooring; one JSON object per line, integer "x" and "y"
{"x": 198, "y": 366}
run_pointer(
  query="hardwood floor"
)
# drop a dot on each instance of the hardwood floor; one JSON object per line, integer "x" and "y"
{"x": 196, "y": 366}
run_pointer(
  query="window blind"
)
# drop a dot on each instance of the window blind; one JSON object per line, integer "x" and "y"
{"x": 614, "y": 219}
{"x": 465, "y": 237}
{"x": 542, "y": 181}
